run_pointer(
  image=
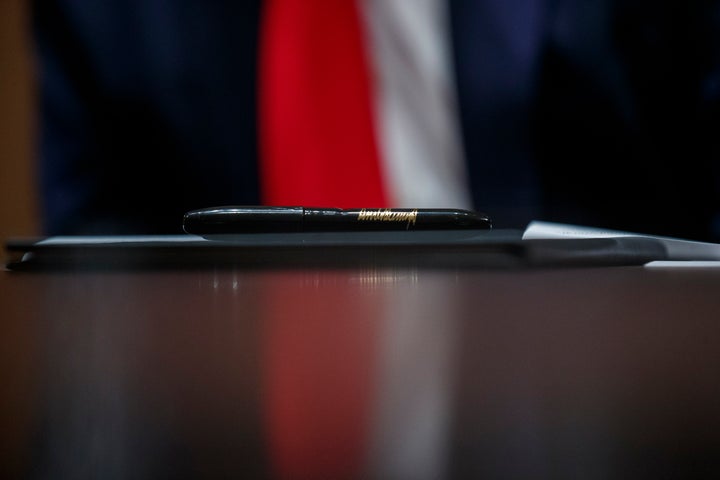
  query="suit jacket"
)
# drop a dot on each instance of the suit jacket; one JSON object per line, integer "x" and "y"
{"x": 595, "y": 112}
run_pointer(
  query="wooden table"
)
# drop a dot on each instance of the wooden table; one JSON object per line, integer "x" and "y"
{"x": 342, "y": 373}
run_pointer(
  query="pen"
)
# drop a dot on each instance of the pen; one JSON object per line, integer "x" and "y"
{"x": 260, "y": 219}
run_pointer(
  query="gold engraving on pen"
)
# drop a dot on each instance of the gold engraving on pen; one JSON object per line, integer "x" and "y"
{"x": 388, "y": 215}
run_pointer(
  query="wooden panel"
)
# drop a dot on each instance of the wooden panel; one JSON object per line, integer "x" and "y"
{"x": 18, "y": 208}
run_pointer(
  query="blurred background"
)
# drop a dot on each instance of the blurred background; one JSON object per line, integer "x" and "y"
{"x": 18, "y": 206}
{"x": 598, "y": 113}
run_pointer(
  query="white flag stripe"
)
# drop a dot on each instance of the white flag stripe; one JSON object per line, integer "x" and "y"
{"x": 416, "y": 106}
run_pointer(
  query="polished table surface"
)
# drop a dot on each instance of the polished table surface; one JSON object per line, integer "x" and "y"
{"x": 352, "y": 373}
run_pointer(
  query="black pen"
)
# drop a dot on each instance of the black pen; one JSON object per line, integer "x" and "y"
{"x": 259, "y": 219}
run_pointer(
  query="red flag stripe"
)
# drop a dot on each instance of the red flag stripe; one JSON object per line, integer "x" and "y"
{"x": 317, "y": 136}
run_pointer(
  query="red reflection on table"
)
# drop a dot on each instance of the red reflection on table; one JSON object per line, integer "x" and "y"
{"x": 319, "y": 356}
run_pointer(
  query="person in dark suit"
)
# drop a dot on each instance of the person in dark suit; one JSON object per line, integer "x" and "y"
{"x": 599, "y": 113}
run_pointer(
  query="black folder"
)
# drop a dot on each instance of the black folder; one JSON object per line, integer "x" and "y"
{"x": 461, "y": 249}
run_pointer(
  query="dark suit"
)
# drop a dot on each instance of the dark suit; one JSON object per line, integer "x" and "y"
{"x": 593, "y": 112}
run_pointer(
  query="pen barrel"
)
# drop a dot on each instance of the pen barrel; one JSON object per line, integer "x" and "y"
{"x": 230, "y": 220}
{"x": 383, "y": 219}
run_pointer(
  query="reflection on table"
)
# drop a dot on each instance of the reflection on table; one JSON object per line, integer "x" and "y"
{"x": 599, "y": 373}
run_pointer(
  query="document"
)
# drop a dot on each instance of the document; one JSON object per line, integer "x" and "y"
{"x": 689, "y": 253}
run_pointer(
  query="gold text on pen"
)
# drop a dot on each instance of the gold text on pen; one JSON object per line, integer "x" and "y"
{"x": 388, "y": 215}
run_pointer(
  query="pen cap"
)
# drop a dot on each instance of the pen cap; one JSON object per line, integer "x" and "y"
{"x": 383, "y": 219}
